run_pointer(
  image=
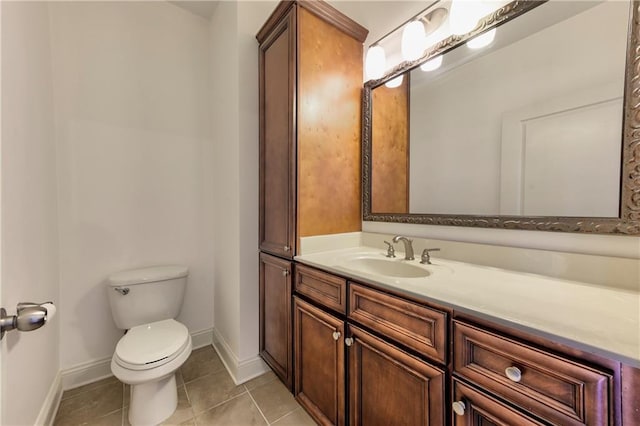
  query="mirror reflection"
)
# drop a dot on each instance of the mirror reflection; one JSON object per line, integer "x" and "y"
{"x": 529, "y": 125}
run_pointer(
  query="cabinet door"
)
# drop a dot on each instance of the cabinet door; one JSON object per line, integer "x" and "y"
{"x": 387, "y": 386}
{"x": 319, "y": 363}
{"x": 275, "y": 316}
{"x": 277, "y": 141}
{"x": 474, "y": 408}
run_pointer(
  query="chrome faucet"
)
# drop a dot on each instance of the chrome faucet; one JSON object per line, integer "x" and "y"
{"x": 408, "y": 248}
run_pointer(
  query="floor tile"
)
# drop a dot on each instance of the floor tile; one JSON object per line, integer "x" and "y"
{"x": 113, "y": 419}
{"x": 238, "y": 411}
{"x": 260, "y": 380}
{"x": 211, "y": 390}
{"x": 76, "y": 391}
{"x": 299, "y": 417}
{"x": 274, "y": 400}
{"x": 89, "y": 405}
{"x": 202, "y": 361}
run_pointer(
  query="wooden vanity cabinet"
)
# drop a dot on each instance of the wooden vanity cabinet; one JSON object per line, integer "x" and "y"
{"x": 388, "y": 386}
{"x": 319, "y": 363}
{"x": 310, "y": 78}
{"x": 275, "y": 316}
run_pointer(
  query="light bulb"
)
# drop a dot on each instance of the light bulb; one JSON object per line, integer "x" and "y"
{"x": 464, "y": 16}
{"x": 392, "y": 84}
{"x": 432, "y": 64}
{"x": 482, "y": 40}
{"x": 413, "y": 41}
{"x": 375, "y": 63}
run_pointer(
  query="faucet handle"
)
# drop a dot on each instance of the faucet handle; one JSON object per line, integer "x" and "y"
{"x": 426, "y": 258}
{"x": 391, "y": 252}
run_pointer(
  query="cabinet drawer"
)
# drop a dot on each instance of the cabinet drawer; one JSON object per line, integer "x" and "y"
{"x": 558, "y": 390}
{"x": 326, "y": 289}
{"x": 413, "y": 325}
{"x": 478, "y": 409}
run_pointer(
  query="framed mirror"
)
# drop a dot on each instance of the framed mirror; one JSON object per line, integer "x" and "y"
{"x": 539, "y": 129}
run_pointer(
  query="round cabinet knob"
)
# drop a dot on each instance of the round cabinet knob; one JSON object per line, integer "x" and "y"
{"x": 336, "y": 335}
{"x": 285, "y": 272}
{"x": 287, "y": 248}
{"x": 459, "y": 407}
{"x": 513, "y": 373}
{"x": 348, "y": 341}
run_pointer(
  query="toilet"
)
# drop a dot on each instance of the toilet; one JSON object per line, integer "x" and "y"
{"x": 145, "y": 302}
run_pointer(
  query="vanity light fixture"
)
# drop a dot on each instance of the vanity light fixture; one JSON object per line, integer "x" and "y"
{"x": 432, "y": 64}
{"x": 482, "y": 40}
{"x": 396, "y": 82}
{"x": 464, "y": 15}
{"x": 413, "y": 40}
{"x": 375, "y": 62}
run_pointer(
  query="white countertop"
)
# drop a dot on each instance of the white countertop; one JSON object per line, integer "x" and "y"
{"x": 601, "y": 320}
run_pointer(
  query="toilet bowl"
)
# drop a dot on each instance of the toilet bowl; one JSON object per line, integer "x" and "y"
{"x": 147, "y": 358}
{"x": 145, "y": 302}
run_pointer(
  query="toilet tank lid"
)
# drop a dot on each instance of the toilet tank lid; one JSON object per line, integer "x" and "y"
{"x": 145, "y": 275}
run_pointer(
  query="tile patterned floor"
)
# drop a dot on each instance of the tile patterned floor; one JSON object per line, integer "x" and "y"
{"x": 206, "y": 396}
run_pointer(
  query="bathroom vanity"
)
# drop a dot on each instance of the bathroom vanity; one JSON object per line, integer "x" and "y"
{"x": 463, "y": 344}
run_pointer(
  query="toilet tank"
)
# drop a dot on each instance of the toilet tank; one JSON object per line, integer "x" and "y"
{"x": 142, "y": 296}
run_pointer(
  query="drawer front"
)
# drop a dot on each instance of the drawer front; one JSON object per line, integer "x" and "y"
{"x": 474, "y": 408}
{"x": 415, "y": 326}
{"x": 556, "y": 389}
{"x": 326, "y": 289}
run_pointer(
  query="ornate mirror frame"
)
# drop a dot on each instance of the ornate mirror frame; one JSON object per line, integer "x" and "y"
{"x": 628, "y": 222}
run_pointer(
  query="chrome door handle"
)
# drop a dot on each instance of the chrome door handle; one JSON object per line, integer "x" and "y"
{"x": 30, "y": 316}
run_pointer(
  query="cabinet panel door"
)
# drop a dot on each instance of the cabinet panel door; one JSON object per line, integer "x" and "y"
{"x": 477, "y": 409}
{"x": 319, "y": 363}
{"x": 277, "y": 140}
{"x": 388, "y": 386}
{"x": 275, "y": 316}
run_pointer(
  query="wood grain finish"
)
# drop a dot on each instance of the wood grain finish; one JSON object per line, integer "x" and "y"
{"x": 319, "y": 363}
{"x": 390, "y": 387}
{"x": 556, "y": 389}
{"x": 630, "y": 396}
{"x": 416, "y": 326}
{"x": 275, "y": 316}
{"x": 277, "y": 81}
{"x": 390, "y": 149}
{"x": 326, "y": 289}
{"x": 484, "y": 410}
{"x": 329, "y": 102}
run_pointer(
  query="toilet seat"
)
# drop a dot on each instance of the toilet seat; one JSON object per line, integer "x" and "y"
{"x": 151, "y": 345}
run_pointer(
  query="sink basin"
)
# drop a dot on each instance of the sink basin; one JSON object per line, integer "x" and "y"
{"x": 387, "y": 267}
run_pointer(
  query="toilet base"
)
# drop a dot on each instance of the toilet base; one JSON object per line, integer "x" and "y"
{"x": 153, "y": 402}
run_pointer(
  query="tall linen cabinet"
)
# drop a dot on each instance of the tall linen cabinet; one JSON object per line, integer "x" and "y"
{"x": 310, "y": 126}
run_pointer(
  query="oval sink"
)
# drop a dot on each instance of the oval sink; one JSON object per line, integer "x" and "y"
{"x": 389, "y": 268}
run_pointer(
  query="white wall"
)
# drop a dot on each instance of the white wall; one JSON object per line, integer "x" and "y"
{"x": 133, "y": 110}
{"x": 235, "y": 124}
{"x": 29, "y": 213}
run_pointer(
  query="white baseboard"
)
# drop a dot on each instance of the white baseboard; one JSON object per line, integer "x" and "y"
{"x": 51, "y": 402}
{"x": 202, "y": 338}
{"x": 92, "y": 371}
{"x": 240, "y": 370}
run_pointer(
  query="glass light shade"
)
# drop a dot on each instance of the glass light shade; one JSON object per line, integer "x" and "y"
{"x": 482, "y": 40}
{"x": 392, "y": 84}
{"x": 413, "y": 41}
{"x": 464, "y": 15}
{"x": 432, "y": 64}
{"x": 375, "y": 63}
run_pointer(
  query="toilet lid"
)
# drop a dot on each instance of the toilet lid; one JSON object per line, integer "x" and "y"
{"x": 150, "y": 343}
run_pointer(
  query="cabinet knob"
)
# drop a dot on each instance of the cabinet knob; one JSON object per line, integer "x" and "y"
{"x": 285, "y": 272}
{"x": 336, "y": 335}
{"x": 513, "y": 373}
{"x": 459, "y": 407}
{"x": 287, "y": 248}
{"x": 348, "y": 341}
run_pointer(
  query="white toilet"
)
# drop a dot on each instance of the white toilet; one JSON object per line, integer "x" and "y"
{"x": 145, "y": 302}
